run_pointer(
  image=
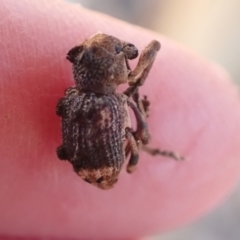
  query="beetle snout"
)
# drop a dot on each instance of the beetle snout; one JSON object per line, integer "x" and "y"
{"x": 133, "y": 54}
{"x": 130, "y": 51}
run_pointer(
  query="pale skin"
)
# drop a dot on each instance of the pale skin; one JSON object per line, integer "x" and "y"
{"x": 194, "y": 110}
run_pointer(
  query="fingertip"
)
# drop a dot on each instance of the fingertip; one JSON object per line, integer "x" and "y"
{"x": 194, "y": 110}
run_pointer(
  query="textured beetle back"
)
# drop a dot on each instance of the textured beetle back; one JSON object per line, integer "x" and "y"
{"x": 95, "y": 125}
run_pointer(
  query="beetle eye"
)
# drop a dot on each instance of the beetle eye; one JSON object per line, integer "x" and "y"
{"x": 118, "y": 48}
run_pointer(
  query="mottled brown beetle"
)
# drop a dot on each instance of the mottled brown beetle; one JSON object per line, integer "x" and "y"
{"x": 96, "y": 127}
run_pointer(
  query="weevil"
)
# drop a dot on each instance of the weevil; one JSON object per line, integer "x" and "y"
{"x": 97, "y": 134}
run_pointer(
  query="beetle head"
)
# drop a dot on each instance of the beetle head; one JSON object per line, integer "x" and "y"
{"x": 100, "y": 63}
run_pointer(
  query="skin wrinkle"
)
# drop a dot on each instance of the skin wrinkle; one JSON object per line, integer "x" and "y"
{"x": 46, "y": 189}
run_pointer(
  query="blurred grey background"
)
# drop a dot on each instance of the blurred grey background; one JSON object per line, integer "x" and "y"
{"x": 212, "y": 29}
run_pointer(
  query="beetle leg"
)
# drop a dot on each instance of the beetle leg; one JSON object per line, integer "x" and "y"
{"x": 61, "y": 153}
{"x": 133, "y": 148}
{"x": 142, "y": 132}
{"x": 127, "y": 150}
{"x": 137, "y": 77}
{"x": 60, "y": 109}
{"x": 157, "y": 151}
{"x": 145, "y": 103}
{"x": 142, "y": 104}
{"x": 146, "y": 59}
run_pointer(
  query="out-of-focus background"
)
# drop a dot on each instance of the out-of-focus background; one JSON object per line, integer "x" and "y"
{"x": 211, "y": 28}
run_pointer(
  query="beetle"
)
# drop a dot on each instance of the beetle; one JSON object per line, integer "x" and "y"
{"x": 97, "y": 135}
